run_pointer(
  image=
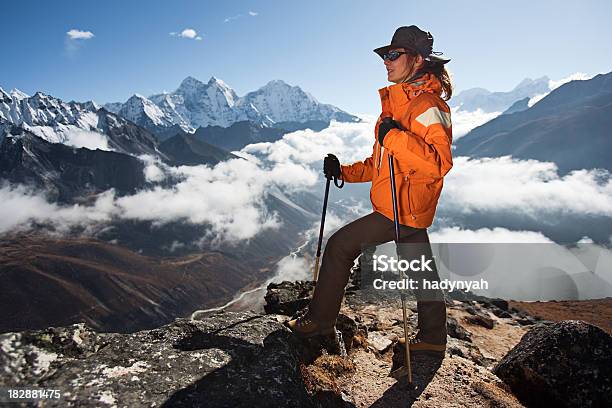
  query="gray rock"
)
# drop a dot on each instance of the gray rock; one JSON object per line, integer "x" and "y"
{"x": 454, "y": 329}
{"x": 379, "y": 341}
{"x": 500, "y": 312}
{"x": 226, "y": 359}
{"x": 500, "y": 303}
{"x": 481, "y": 320}
{"x": 287, "y": 298}
{"x": 349, "y": 328}
{"x": 566, "y": 364}
{"x": 479, "y": 317}
{"x": 455, "y": 347}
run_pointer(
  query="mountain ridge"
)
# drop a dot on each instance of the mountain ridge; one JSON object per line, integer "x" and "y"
{"x": 197, "y": 104}
{"x": 560, "y": 120}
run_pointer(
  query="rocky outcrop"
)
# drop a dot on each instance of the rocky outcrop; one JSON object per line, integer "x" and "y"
{"x": 249, "y": 359}
{"x": 287, "y": 298}
{"x": 567, "y": 364}
{"x": 227, "y": 359}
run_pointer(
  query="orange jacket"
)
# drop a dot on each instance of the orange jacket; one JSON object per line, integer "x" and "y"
{"x": 421, "y": 151}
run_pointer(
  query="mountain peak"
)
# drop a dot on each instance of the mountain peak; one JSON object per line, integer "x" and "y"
{"x": 17, "y": 94}
{"x": 214, "y": 81}
{"x": 137, "y": 96}
{"x": 528, "y": 82}
{"x": 190, "y": 83}
{"x": 277, "y": 83}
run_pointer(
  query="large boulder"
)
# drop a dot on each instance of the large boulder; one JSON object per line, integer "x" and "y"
{"x": 287, "y": 298}
{"x": 226, "y": 359}
{"x": 566, "y": 364}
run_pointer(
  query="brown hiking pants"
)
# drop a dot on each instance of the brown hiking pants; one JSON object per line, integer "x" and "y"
{"x": 340, "y": 252}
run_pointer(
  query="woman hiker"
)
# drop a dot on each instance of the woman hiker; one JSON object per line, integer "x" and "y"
{"x": 419, "y": 138}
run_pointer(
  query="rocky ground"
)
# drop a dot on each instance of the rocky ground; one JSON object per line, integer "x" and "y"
{"x": 497, "y": 356}
{"x": 597, "y": 311}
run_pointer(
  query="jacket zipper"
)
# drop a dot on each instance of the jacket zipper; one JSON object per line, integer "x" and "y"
{"x": 407, "y": 178}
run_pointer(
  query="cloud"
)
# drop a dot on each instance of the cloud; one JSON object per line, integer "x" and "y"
{"x": 74, "y": 41}
{"x": 88, "y": 139}
{"x": 537, "y": 98}
{"x": 552, "y": 84}
{"x": 526, "y": 187}
{"x": 578, "y": 76}
{"x": 228, "y": 19}
{"x": 463, "y": 121}
{"x": 230, "y": 197}
{"x": 292, "y": 268}
{"x": 349, "y": 141}
{"x": 237, "y": 16}
{"x": 486, "y": 235}
{"x": 498, "y": 188}
{"x": 75, "y": 34}
{"x": 27, "y": 206}
{"x": 188, "y": 33}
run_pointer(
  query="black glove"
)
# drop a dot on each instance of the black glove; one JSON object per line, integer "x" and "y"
{"x": 385, "y": 126}
{"x": 331, "y": 166}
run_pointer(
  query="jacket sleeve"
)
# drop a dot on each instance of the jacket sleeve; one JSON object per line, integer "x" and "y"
{"x": 360, "y": 171}
{"x": 426, "y": 147}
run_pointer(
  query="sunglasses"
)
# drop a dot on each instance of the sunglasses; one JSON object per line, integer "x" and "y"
{"x": 392, "y": 55}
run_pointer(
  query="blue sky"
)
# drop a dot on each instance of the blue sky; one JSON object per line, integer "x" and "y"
{"x": 323, "y": 46}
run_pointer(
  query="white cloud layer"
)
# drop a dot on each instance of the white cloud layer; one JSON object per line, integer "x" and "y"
{"x": 526, "y": 187}
{"x": 230, "y": 196}
{"x": 552, "y": 84}
{"x": 578, "y": 76}
{"x": 348, "y": 141}
{"x": 463, "y": 121}
{"x": 485, "y": 235}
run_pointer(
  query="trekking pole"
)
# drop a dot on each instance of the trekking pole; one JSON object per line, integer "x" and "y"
{"x": 319, "y": 244}
{"x": 316, "y": 267}
{"x": 407, "y": 369}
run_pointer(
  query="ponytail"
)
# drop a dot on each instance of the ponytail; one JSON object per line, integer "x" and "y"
{"x": 443, "y": 76}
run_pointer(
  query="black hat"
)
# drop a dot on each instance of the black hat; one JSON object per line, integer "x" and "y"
{"x": 415, "y": 39}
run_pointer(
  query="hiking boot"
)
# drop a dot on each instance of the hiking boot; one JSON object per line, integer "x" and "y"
{"x": 304, "y": 327}
{"x": 418, "y": 345}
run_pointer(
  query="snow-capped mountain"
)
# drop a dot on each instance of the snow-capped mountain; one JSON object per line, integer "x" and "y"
{"x": 143, "y": 112}
{"x": 73, "y": 123}
{"x": 197, "y": 104}
{"x": 473, "y": 99}
{"x": 285, "y": 103}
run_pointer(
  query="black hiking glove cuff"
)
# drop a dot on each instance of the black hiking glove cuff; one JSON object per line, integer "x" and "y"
{"x": 385, "y": 126}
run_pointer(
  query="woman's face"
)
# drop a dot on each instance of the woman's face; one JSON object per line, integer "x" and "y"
{"x": 401, "y": 68}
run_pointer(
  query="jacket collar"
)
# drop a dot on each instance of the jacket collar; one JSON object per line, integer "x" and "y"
{"x": 396, "y": 94}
